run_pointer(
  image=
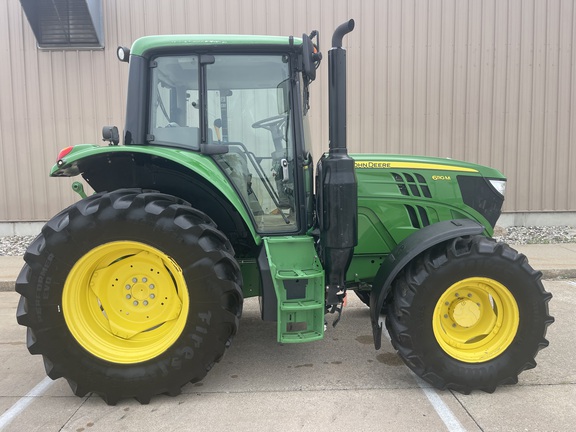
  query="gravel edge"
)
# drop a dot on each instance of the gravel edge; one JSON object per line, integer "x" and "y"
{"x": 16, "y": 245}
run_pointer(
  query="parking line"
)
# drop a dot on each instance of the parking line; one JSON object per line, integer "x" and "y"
{"x": 24, "y": 401}
{"x": 440, "y": 407}
{"x": 445, "y": 414}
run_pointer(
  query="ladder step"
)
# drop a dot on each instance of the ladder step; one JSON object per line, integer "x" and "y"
{"x": 301, "y": 326}
{"x": 298, "y": 279}
{"x": 299, "y": 274}
{"x": 301, "y": 305}
{"x": 301, "y": 337}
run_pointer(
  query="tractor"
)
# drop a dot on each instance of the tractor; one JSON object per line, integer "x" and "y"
{"x": 213, "y": 196}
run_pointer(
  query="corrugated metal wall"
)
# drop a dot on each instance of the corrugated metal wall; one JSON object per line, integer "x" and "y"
{"x": 489, "y": 81}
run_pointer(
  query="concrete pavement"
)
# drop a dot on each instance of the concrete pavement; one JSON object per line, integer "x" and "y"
{"x": 338, "y": 384}
{"x": 553, "y": 260}
{"x": 9, "y": 268}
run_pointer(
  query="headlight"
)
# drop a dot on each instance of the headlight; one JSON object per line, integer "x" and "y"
{"x": 499, "y": 185}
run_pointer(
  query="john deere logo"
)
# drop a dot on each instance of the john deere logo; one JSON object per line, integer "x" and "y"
{"x": 414, "y": 165}
{"x": 371, "y": 164}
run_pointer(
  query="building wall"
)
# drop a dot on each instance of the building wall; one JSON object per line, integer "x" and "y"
{"x": 488, "y": 81}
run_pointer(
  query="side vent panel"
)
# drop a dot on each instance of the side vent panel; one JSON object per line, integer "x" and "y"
{"x": 412, "y": 185}
{"x": 418, "y": 216}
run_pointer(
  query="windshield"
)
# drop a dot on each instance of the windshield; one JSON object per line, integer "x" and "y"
{"x": 247, "y": 109}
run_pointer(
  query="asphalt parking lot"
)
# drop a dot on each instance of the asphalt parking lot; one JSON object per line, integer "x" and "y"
{"x": 340, "y": 383}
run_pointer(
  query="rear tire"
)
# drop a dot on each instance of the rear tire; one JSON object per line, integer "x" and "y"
{"x": 129, "y": 294}
{"x": 469, "y": 314}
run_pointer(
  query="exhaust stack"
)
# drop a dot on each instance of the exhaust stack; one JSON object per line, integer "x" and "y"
{"x": 337, "y": 89}
{"x": 337, "y": 189}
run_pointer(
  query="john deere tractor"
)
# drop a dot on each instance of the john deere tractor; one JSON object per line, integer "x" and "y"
{"x": 137, "y": 289}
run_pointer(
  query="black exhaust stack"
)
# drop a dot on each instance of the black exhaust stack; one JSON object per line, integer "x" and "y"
{"x": 337, "y": 189}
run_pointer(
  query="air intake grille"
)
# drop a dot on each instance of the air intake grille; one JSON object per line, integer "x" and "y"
{"x": 412, "y": 185}
{"x": 418, "y": 216}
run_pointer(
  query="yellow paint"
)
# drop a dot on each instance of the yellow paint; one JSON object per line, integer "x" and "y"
{"x": 475, "y": 320}
{"x": 125, "y": 302}
{"x": 410, "y": 165}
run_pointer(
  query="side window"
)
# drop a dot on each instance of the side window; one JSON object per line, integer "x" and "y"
{"x": 174, "y": 110}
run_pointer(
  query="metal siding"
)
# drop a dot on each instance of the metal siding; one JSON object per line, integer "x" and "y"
{"x": 488, "y": 81}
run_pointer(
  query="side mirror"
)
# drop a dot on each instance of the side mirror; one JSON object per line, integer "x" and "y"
{"x": 110, "y": 133}
{"x": 310, "y": 55}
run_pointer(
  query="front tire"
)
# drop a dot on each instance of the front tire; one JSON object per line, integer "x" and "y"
{"x": 469, "y": 314}
{"x": 129, "y": 294}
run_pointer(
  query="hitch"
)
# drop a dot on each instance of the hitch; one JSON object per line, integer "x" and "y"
{"x": 336, "y": 300}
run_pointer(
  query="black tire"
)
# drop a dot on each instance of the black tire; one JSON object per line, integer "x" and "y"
{"x": 433, "y": 307}
{"x": 190, "y": 258}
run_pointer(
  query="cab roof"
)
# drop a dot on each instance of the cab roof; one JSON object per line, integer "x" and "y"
{"x": 153, "y": 43}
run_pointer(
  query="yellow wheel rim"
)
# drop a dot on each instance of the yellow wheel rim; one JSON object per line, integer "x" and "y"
{"x": 475, "y": 320}
{"x": 125, "y": 302}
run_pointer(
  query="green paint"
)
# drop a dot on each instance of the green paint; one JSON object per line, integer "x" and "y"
{"x": 149, "y": 43}
{"x": 298, "y": 280}
{"x": 194, "y": 161}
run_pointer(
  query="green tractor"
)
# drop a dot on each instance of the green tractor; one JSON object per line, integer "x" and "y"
{"x": 138, "y": 289}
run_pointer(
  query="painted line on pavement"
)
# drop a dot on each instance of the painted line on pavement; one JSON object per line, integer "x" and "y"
{"x": 445, "y": 413}
{"x": 22, "y": 404}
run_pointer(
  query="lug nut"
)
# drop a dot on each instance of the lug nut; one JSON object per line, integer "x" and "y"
{"x": 145, "y": 302}
{"x": 151, "y": 286}
{"x": 128, "y": 296}
{"x": 152, "y": 296}
{"x": 135, "y": 303}
{"x": 134, "y": 280}
{"x": 128, "y": 286}
{"x": 144, "y": 279}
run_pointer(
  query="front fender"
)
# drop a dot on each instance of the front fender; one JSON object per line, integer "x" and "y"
{"x": 407, "y": 250}
{"x": 84, "y": 156}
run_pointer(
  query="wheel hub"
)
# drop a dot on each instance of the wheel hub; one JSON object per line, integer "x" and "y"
{"x": 465, "y": 313}
{"x": 125, "y": 301}
{"x": 137, "y": 311}
{"x": 141, "y": 289}
{"x": 475, "y": 319}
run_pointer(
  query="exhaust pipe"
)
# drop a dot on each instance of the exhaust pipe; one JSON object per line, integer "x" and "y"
{"x": 337, "y": 188}
{"x": 337, "y": 89}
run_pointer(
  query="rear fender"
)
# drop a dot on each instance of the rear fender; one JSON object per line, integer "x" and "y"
{"x": 405, "y": 252}
{"x": 113, "y": 167}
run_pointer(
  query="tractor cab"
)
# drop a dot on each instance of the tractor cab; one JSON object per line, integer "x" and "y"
{"x": 243, "y": 107}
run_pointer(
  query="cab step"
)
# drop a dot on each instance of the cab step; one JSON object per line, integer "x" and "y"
{"x": 298, "y": 279}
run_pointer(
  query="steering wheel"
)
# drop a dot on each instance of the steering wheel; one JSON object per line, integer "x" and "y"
{"x": 271, "y": 123}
